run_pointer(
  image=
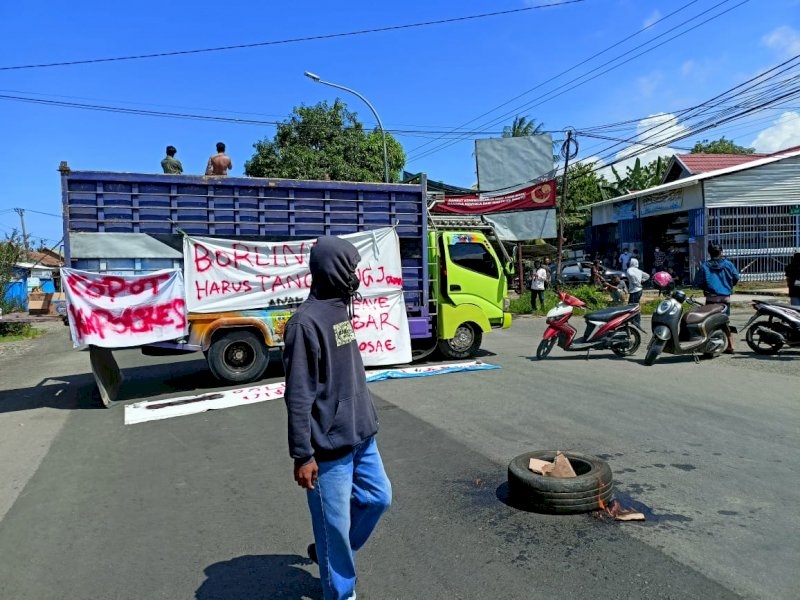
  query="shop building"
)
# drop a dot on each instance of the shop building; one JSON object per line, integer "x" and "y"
{"x": 751, "y": 208}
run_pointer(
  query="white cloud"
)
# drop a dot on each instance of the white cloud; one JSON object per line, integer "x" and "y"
{"x": 783, "y": 133}
{"x": 654, "y": 16}
{"x": 784, "y": 40}
{"x": 647, "y": 84}
{"x": 651, "y": 130}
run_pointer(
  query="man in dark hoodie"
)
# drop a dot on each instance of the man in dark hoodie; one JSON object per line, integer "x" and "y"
{"x": 332, "y": 421}
{"x": 716, "y": 277}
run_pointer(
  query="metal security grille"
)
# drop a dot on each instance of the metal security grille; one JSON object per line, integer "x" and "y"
{"x": 758, "y": 239}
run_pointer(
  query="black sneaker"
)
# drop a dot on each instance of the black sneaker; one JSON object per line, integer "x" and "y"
{"x": 312, "y": 553}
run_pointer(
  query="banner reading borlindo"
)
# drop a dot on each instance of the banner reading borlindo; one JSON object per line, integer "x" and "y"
{"x": 111, "y": 311}
{"x": 542, "y": 195}
{"x": 232, "y": 275}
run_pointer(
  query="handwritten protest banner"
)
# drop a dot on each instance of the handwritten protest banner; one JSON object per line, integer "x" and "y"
{"x": 229, "y": 275}
{"x": 120, "y": 312}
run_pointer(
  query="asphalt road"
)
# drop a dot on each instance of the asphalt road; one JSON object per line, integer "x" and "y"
{"x": 204, "y": 506}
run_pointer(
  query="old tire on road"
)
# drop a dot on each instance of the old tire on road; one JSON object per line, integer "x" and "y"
{"x": 238, "y": 356}
{"x": 558, "y": 495}
{"x": 464, "y": 344}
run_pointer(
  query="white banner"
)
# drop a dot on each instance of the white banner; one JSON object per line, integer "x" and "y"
{"x": 231, "y": 275}
{"x": 123, "y": 311}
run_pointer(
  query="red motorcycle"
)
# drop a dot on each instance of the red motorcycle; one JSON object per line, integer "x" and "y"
{"x": 609, "y": 328}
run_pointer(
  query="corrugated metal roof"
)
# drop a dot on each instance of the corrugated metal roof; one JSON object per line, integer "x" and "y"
{"x": 695, "y": 179}
{"x": 702, "y": 163}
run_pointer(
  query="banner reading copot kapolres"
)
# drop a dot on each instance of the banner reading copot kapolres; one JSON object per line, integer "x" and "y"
{"x": 224, "y": 276}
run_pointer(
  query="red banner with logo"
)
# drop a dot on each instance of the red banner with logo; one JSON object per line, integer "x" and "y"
{"x": 542, "y": 195}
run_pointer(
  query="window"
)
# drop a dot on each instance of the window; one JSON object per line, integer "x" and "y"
{"x": 474, "y": 257}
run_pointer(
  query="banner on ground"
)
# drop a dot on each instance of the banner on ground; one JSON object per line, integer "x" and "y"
{"x": 542, "y": 195}
{"x": 113, "y": 311}
{"x": 232, "y": 275}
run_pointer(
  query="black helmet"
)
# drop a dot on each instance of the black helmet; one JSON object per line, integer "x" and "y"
{"x": 679, "y": 295}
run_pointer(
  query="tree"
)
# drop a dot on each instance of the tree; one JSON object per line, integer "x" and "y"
{"x": 584, "y": 189}
{"x": 637, "y": 177}
{"x": 720, "y": 146}
{"x": 325, "y": 142}
{"x": 11, "y": 252}
{"x": 522, "y": 127}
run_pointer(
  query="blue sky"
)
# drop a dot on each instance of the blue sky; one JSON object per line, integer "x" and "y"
{"x": 432, "y": 77}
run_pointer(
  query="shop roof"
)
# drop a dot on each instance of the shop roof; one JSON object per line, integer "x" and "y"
{"x": 696, "y": 179}
{"x": 703, "y": 163}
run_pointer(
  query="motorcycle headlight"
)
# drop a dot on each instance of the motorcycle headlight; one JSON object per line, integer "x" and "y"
{"x": 664, "y": 307}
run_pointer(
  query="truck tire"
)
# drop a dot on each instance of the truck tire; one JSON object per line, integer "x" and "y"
{"x": 464, "y": 344}
{"x": 238, "y": 357}
{"x": 593, "y": 484}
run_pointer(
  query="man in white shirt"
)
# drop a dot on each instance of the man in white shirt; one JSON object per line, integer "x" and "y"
{"x": 538, "y": 279}
{"x": 624, "y": 258}
{"x": 635, "y": 278}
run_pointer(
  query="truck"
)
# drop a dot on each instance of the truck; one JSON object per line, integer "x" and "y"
{"x": 455, "y": 285}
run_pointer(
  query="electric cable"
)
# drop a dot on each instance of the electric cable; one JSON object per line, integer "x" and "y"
{"x": 310, "y": 38}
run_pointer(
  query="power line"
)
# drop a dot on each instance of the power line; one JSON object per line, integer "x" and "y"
{"x": 572, "y": 68}
{"x": 311, "y": 38}
{"x": 553, "y": 95}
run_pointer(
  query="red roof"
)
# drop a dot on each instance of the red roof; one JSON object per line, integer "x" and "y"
{"x": 702, "y": 163}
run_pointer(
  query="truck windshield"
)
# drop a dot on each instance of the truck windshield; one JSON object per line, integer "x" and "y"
{"x": 474, "y": 257}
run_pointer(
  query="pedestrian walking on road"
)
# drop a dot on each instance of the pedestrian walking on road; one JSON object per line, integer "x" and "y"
{"x": 219, "y": 163}
{"x": 716, "y": 277}
{"x": 539, "y": 279}
{"x": 170, "y": 164}
{"x": 635, "y": 278}
{"x": 332, "y": 420}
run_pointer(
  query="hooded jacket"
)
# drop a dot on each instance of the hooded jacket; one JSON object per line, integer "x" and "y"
{"x": 717, "y": 277}
{"x": 635, "y": 277}
{"x": 329, "y": 406}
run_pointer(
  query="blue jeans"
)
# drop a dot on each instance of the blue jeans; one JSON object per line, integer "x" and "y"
{"x": 349, "y": 497}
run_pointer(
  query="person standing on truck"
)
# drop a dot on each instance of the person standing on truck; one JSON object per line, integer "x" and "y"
{"x": 219, "y": 163}
{"x": 332, "y": 420}
{"x": 170, "y": 164}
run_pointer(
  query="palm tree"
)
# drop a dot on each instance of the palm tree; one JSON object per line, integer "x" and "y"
{"x": 522, "y": 127}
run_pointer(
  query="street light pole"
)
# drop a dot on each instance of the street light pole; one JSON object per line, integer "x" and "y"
{"x": 317, "y": 78}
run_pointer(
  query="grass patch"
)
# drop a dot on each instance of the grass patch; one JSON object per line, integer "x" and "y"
{"x": 594, "y": 299}
{"x": 16, "y": 332}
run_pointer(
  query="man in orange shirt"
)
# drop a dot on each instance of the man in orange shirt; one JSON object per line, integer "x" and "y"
{"x": 219, "y": 163}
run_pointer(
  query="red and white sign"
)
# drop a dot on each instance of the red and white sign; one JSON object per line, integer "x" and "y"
{"x": 542, "y": 195}
{"x": 229, "y": 276}
{"x": 120, "y": 312}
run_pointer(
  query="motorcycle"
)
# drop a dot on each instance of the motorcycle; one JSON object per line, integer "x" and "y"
{"x": 781, "y": 327}
{"x": 704, "y": 329}
{"x": 609, "y": 328}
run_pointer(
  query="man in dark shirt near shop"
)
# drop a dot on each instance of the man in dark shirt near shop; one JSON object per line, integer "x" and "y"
{"x": 170, "y": 164}
{"x": 332, "y": 421}
{"x": 219, "y": 164}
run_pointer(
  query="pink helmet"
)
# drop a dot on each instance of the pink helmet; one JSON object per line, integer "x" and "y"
{"x": 662, "y": 279}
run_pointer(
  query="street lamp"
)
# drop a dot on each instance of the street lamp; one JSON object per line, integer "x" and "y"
{"x": 314, "y": 77}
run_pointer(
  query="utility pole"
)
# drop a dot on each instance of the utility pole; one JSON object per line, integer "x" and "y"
{"x": 567, "y": 152}
{"x": 21, "y": 213}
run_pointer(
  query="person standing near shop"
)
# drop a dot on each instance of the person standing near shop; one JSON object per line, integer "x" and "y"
{"x": 716, "y": 277}
{"x": 793, "y": 279}
{"x": 624, "y": 259}
{"x": 658, "y": 260}
{"x": 538, "y": 282}
{"x": 332, "y": 421}
{"x": 635, "y": 278}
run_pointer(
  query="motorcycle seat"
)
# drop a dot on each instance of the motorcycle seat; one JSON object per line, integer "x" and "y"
{"x": 701, "y": 313}
{"x": 606, "y": 314}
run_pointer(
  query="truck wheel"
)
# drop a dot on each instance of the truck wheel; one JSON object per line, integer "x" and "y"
{"x": 238, "y": 357}
{"x": 464, "y": 344}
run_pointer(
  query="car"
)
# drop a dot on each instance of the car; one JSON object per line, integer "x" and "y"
{"x": 581, "y": 272}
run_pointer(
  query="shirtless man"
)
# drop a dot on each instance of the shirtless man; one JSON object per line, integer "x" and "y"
{"x": 219, "y": 163}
